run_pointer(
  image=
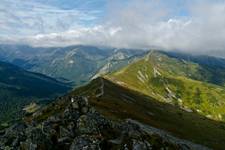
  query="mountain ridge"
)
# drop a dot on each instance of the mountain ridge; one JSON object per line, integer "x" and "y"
{"x": 142, "y": 111}
{"x": 173, "y": 81}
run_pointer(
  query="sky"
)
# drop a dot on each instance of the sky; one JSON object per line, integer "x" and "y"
{"x": 195, "y": 26}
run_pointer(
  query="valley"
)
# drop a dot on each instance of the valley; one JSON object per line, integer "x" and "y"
{"x": 77, "y": 64}
{"x": 19, "y": 88}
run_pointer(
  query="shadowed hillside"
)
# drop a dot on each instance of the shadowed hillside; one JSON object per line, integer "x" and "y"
{"x": 19, "y": 88}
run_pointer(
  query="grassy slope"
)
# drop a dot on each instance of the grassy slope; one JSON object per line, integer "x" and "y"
{"x": 212, "y": 69}
{"x": 174, "y": 81}
{"x": 120, "y": 103}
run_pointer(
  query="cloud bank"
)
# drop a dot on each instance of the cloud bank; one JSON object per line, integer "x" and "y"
{"x": 196, "y": 26}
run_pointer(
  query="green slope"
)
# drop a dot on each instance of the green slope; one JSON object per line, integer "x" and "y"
{"x": 19, "y": 87}
{"x": 212, "y": 69}
{"x": 119, "y": 103}
{"x": 174, "y": 81}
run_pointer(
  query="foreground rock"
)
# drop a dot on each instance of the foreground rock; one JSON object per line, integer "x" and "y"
{"x": 79, "y": 127}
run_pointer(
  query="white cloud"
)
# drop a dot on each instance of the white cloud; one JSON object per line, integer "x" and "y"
{"x": 146, "y": 24}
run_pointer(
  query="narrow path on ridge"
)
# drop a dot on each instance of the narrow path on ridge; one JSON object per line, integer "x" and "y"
{"x": 101, "y": 88}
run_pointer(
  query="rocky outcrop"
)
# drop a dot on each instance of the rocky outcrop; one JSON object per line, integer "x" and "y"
{"x": 80, "y": 127}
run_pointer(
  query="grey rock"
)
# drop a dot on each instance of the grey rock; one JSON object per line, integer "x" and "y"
{"x": 37, "y": 137}
{"x": 75, "y": 105}
{"x": 65, "y": 132}
{"x": 87, "y": 125}
{"x": 79, "y": 126}
{"x": 85, "y": 143}
{"x": 64, "y": 140}
{"x": 54, "y": 119}
{"x": 139, "y": 145}
{"x": 84, "y": 110}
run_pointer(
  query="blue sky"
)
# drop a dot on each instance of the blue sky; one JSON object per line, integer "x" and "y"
{"x": 43, "y": 16}
{"x": 75, "y": 4}
{"x": 191, "y": 25}
{"x": 30, "y": 17}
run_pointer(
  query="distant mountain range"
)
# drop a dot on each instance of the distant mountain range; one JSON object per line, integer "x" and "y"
{"x": 75, "y": 63}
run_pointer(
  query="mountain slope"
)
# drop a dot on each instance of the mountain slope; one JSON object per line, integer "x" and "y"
{"x": 212, "y": 68}
{"x": 174, "y": 81}
{"x": 19, "y": 87}
{"x": 118, "y": 104}
{"x": 75, "y": 63}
